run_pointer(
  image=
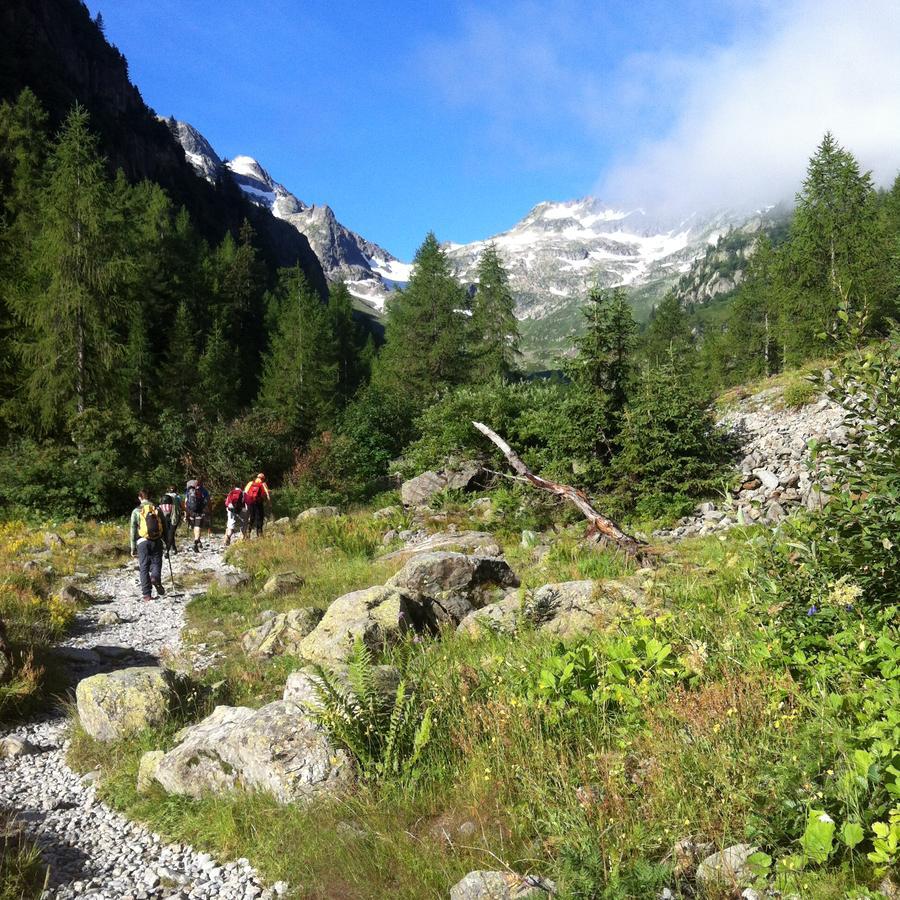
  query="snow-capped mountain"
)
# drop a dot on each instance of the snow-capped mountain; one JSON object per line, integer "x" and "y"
{"x": 369, "y": 271}
{"x": 559, "y": 250}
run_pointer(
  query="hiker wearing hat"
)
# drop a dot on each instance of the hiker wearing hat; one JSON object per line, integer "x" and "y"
{"x": 197, "y": 508}
{"x": 256, "y": 496}
{"x": 147, "y": 532}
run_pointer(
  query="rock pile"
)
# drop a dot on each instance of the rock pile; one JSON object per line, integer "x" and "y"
{"x": 773, "y": 468}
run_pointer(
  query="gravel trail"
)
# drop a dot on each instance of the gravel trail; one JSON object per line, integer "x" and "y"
{"x": 91, "y": 850}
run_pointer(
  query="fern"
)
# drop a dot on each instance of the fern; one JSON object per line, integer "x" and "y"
{"x": 387, "y": 739}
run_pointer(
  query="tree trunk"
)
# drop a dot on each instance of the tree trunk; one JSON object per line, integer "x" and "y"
{"x": 600, "y": 525}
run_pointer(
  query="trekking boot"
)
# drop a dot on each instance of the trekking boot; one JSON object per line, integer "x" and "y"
{"x": 160, "y": 590}
{"x": 146, "y": 598}
{"x": 227, "y": 540}
{"x": 196, "y": 546}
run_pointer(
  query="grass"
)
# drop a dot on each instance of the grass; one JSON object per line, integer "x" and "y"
{"x": 23, "y": 876}
{"x": 33, "y": 562}
{"x": 715, "y": 744}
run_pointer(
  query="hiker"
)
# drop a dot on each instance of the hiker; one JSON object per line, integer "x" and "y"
{"x": 196, "y": 507}
{"x": 236, "y": 512}
{"x": 147, "y": 544}
{"x": 171, "y": 505}
{"x": 256, "y": 496}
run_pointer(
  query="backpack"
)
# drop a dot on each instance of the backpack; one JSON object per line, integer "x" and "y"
{"x": 170, "y": 507}
{"x": 235, "y": 500}
{"x": 150, "y": 524}
{"x": 253, "y": 493}
{"x": 195, "y": 502}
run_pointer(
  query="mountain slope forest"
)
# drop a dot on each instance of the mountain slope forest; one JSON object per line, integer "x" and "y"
{"x": 486, "y": 686}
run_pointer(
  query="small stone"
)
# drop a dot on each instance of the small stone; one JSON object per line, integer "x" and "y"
{"x": 728, "y": 867}
{"x": 109, "y": 617}
{"x": 317, "y": 512}
{"x": 283, "y": 583}
{"x": 147, "y": 767}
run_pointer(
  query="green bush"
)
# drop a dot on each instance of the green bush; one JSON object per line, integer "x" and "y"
{"x": 798, "y": 392}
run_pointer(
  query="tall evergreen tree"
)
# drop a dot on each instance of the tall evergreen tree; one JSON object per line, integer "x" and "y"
{"x": 139, "y": 368}
{"x": 348, "y": 341}
{"x": 753, "y": 322}
{"x": 426, "y": 331}
{"x": 217, "y": 376}
{"x": 180, "y": 358}
{"x": 836, "y": 253}
{"x": 495, "y": 329}
{"x": 72, "y": 308}
{"x": 605, "y": 351}
{"x": 300, "y": 375}
{"x": 668, "y": 334}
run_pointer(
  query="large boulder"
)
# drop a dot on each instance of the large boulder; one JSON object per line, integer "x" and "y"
{"x": 445, "y": 587}
{"x": 115, "y": 705}
{"x": 419, "y": 490}
{"x": 147, "y": 766}
{"x": 375, "y": 615}
{"x": 480, "y": 543}
{"x": 566, "y": 609}
{"x": 283, "y": 633}
{"x": 486, "y": 885}
{"x": 317, "y": 512}
{"x": 278, "y": 749}
{"x": 463, "y": 476}
{"x": 231, "y": 581}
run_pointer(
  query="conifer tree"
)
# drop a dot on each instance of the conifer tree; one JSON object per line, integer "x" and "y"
{"x": 604, "y": 362}
{"x": 217, "y": 376}
{"x": 72, "y": 308}
{"x": 299, "y": 373}
{"x": 753, "y": 321}
{"x": 426, "y": 331}
{"x": 139, "y": 368}
{"x": 347, "y": 341}
{"x": 495, "y": 330}
{"x": 180, "y": 359}
{"x": 668, "y": 334}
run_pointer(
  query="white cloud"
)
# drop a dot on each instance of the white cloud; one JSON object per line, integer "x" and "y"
{"x": 748, "y": 116}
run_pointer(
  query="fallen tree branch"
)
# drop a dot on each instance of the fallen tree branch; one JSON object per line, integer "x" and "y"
{"x": 599, "y": 524}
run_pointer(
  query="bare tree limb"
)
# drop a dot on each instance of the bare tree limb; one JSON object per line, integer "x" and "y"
{"x": 599, "y": 524}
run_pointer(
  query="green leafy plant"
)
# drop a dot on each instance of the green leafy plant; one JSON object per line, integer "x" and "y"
{"x": 385, "y": 735}
{"x": 886, "y": 842}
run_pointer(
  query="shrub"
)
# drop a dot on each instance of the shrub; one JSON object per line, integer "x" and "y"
{"x": 798, "y": 392}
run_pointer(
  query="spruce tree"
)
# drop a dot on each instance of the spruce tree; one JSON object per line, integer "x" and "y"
{"x": 299, "y": 373}
{"x": 425, "y": 335}
{"x": 181, "y": 354}
{"x": 216, "y": 375}
{"x": 139, "y": 368}
{"x": 347, "y": 340}
{"x": 668, "y": 334}
{"x": 604, "y": 362}
{"x": 71, "y": 310}
{"x": 494, "y": 327}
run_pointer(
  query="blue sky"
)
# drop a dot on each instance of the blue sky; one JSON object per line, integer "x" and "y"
{"x": 459, "y": 117}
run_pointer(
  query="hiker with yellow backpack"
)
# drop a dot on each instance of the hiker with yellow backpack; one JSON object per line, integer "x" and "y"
{"x": 147, "y": 531}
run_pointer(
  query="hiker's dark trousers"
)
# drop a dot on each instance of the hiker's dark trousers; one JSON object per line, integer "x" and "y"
{"x": 150, "y": 557}
{"x": 256, "y": 517}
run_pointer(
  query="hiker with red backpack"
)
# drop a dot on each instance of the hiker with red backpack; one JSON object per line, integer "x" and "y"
{"x": 236, "y": 510}
{"x": 197, "y": 508}
{"x": 147, "y": 532}
{"x": 256, "y": 496}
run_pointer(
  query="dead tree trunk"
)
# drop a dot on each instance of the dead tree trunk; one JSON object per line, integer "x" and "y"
{"x": 599, "y": 524}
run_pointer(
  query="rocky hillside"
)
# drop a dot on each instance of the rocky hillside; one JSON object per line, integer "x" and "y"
{"x": 369, "y": 271}
{"x": 54, "y": 48}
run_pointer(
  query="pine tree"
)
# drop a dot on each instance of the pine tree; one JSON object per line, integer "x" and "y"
{"x": 668, "y": 334}
{"x": 604, "y": 362}
{"x": 178, "y": 375}
{"x": 426, "y": 330}
{"x": 71, "y": 311}
{"x": 494, "y": 327}
{"x": 218, "y": 376}
{"x": 753, "y": 322}
{"x": 299, "y": 374}
{"x": 348, "y": 341}
{"x": 139, "y": 368}
{"x": 836, "y": 253}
